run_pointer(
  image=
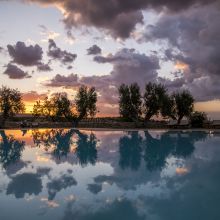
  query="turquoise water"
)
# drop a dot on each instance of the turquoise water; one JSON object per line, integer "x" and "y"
{"x": 109, "y": 175}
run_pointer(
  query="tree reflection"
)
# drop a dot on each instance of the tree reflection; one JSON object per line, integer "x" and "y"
{"x": 171, "y": 143}
{"x": 57, "y": 140}
{"x": 10, "y": 149}
{"x": 60, "y": 142}
{"x": 156, "y": 151}
{"x": 86, "y": 148}
{"x": 130, "y": 151}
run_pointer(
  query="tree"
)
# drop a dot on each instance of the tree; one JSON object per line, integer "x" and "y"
{"x": 154, "y": 97}
{"x": 49, "y": 110}
{"x": 130, "y": 101}
{"x": 124, "y": 101}
{"x": 10, "y": 103}
{"x": 59, "y": 107}
{"x": 197, "y": 119}
{"x": 85, "y": 101}
{"x": 135, "y": 97}
{"x": 37, "y": 110}
{"x": 168, "y": 107}
{"x": 62, "y": 106}
{"x": 55, "y": 108}
{"x": 184, "y": 104}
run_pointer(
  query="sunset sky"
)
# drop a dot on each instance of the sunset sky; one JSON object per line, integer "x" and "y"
{"x": 49, "y": 46}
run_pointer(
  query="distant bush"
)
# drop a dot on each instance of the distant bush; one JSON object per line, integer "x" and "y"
{"x": 198, "y": 119}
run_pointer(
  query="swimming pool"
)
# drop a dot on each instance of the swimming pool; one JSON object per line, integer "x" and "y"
{"x": 64, "y": 174}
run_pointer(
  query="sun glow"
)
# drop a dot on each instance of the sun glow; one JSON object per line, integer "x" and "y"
{"x": 181, "y": 171}
{"x": 181, "y": 66}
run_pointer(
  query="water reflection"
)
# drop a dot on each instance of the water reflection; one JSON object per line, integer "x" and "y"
{"x": 10, "y": 149}
{"x": 133, "y": 147}
{"x": 86, "y": 148}
{"x": 130, "y": 148}
{"x": 25, "y": 183}
{"x": 56, "y": 185}
{"x": 176, "y": 143}
{"x": 155, "y": 151}
{"x": 70, "y": 174}
{"x": 61, "y": 141}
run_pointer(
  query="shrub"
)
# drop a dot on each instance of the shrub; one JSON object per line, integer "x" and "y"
{"x": 197, "y": 119}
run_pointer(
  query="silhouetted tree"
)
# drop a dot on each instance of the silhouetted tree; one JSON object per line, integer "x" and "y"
{"x": 59, "y": 107}
{"x": 37, "y": 109}
{"x": 153, "y": 99}
{"x": 124, "y": 101}
{"x": 184, "y": 104}
{"x": 85, "y": 101}
{"x": 55, "y": 108}
{"x": 197, "y": 119}
{"x": 62, "y": 106}
{"x": 130, "y": 101}
{"x": 168, "y": 107}
{"x": 10, "y": 103}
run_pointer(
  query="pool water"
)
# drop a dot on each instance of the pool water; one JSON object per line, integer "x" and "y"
{"x": 62, "y": 174}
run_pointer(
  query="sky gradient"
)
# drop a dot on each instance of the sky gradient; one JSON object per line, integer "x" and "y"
{"x": 49, "y": 46}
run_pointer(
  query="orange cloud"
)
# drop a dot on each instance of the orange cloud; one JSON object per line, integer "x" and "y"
{"x": 181, "y": 66}
{"x": 181, "y": 171}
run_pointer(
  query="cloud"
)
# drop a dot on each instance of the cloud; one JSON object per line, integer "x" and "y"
{"x": 117, "y": 17}
{"x": 48, "y": 34}
{"x": 25, "y": 55}
{"x": 44, "y": 67}
{"x": 56, "y": 53}
{"x": 95, "y": 188}
{"x": 63, "y": 81}
{"x": 33, "y": 185}
{"x": 129, "y": 66}
{"x": 14, "y": 72}
{"x": 57, "y": 185}
{"x": 94, "y": 50}
{"x": 193, "y": 37}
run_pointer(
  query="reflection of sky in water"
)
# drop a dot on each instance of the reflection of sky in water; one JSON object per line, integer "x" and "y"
{"x": 70, "y": 174}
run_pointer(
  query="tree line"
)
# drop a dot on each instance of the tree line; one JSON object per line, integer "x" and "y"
{"x": 133, "y": 105}
{"x": 58, "y": 107}
{"x": 154, "y": 101}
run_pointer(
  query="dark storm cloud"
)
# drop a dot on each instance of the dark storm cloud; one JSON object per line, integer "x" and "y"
{"x": 25, "y": 55}
{"x": 94, "y": 50}
{"x": 14, "y": 72}
{"x": 56, "y": 53}
{"x": 118, "y": 17}
{"x": 131, "y": 66}
{"x": 194, "y": 39}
